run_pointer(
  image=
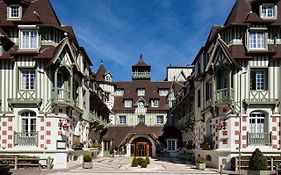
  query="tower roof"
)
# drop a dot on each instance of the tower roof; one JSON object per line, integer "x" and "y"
{"x": 141, "y": 63}
{"x": 101, "y": 72}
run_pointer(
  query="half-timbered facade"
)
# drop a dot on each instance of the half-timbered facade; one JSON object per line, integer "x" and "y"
{"x": 235, "y": 107}
{"x": 45, "y": 86}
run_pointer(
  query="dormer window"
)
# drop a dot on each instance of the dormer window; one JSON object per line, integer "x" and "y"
{"x": 257, "y": 40}
{"x": 128, "y": 103}
{"x": 155, "y": 103}
{"x": 163, "y": 92}
{"x": 141, "y": 92}
{"x": 14, "y": 12}
{"x": 268, "y": 11}
{"x": 29, "y": 39}
{"x": 119, "y": 92}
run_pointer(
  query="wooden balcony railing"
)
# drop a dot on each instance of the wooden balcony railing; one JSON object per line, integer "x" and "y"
{"x": 259, "y": 138}
{"x": 63, "y": 94}
{"x": 223, "y": 95}
{"x": 26, "y": 138}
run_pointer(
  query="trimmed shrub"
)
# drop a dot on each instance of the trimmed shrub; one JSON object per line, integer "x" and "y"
{"x": 135, "y": 162}
{"x": 140, "y": 160}
{"x": 258, "y": 161}
{"x": 87, "y": 158}
{"x": 147, "y": 160}
{"x": 200, "y": 160}
{"x": 144, "y": 164}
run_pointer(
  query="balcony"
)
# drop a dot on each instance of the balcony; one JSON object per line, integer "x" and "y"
{"x": 62, "y": 96}
{"x": 186, "y": 121}
{"x": 26, "y": 138}
{"x": 141, "y": 75}
{"x": 259, "y": 138}
{"x": 224, "y": 95}
{"x": 95, "y": 118}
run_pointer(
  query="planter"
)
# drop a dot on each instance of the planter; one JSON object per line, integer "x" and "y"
{"x": 257, "y": 172}
{"x": 88, "y": 165}
{"x": 200, "y": 166}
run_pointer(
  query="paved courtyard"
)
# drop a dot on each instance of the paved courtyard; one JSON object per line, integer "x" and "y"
{"x": 121, "y": 165}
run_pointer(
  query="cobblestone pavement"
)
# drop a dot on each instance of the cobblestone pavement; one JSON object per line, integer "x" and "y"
{"x": 121, "y": 165}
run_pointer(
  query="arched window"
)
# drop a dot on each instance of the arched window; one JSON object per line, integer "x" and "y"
{"x": 257, "y": 121}
{"x": 28, "y": 120}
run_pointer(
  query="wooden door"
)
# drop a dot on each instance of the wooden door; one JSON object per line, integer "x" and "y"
{"x": 133, "y": 150}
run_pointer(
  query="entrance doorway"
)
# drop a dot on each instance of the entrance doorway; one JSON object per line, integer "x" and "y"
{"x": 141, "y": 147}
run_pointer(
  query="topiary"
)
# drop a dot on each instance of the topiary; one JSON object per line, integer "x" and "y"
{"x": 135, "y": 162}
{"x": 258, "y": 161}
{"x": 147, "y": 160}
{"x": 87, "y": 158}
{"x": 144, "y": 164}
{"x": 140, "y": 160}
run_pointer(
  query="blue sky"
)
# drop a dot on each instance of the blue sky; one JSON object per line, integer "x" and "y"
{"x": 164, "y": 31}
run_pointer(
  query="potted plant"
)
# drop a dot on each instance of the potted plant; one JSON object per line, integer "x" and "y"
{"x": 111, "y": 152}
{"x": 77, "y": 146}
{"x": 200, "y": 163}
{"x": 87, "y": 161}
{"x": 258, "y": 164}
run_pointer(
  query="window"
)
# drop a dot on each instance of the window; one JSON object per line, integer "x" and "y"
{"x": 141, "y": 104}
{"x": 122, "y": 119}
{"x": 154, "y": 103}
{"x": 208, "y": 91}
{"x": 257, "y": 122}
{"x": 198, "y": 98}
{"x": 108, "y": 78}
{"x": 28, "y": 122}
{"x": 257, "y": 40}
{"x": 141, "y": 119}
{"x": 27, "y": 79}
{"x": 141, "y": 92}
{"x": 258, "y": 79}
{"x": 267, "y": 11}
{"x": 106, "y": 145}
{"x": 119, "y": 92}
{"x": 163, "y": 92}
{"x": 14, "y": 12}
{"x": 29, "y": 39}
{"x": 160, "y": 119}
{"x": 128, "y": 103}
{"x": 171, "y": 145}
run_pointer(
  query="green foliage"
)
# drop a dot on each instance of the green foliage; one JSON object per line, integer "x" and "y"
{"x": 144, "y": 164}
{"x": 200, "y": 160}
{"x": 147, "y": 160}
{"x": 87, "y": 158}
{"x": 135, "y": 162}
{"x": 140, "y": 160}
{"x": 258, "y": 161}
{"x": 111, "y": 151}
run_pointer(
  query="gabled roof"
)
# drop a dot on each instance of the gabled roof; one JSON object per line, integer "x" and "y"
{"x": 33, "y": 12}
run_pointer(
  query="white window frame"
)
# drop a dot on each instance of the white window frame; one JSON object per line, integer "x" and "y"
{"x": 163, "y": 92}
{"x": 26, "y": 83}
{"x": 257, "y": 122}
{"x": 160, "y": 121}
{"x": 119, "y": 92}
{"x": 154, "y": 103}
{"x": 29, "y": 40}
{"x": 30, "y": 118}
{"x": 261, "y": 79}
{"x": 268, "y": 6}
{"x": 257, "y": 40}
{"x": 141, "y": 92}
{"x": 122, "y": 119}
{"x": 171, "y": 148}
{"x": 128, "y": 103}
{"x": 10, "y": 12}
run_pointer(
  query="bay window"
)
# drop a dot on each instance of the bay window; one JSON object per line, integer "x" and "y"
{"x": 257, "y": 40}
{"x": 29, "y": 39}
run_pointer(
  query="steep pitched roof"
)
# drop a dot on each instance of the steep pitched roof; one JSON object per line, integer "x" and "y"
{"x": 34, "y": 12}
{"x": 239, "y": 12}
{"x": 101, "y": 72}
{"x": 141, "y": 63}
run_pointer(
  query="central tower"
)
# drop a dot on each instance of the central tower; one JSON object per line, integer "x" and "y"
{"x": 141, "y": 70}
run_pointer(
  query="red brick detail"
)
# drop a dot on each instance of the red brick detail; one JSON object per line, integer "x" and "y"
{"x": 42, "y": 128}
{"x": 42, "y": 119}
{"x": 274, "y": 128}
{"x": 10, "y": 145}
{"x": 42, "y": 146}
{"x": 236, "y": 123}
{"x": 244, "y": 146}
{"x": 4, "y": 141}
{"x": 48, "y": 133}
{"x": 10, "y": 119}
{"x": 274, "y": 119}
{"x": 224, "y": 141}
{"x": 4, "y": 124}
{"x": 48, "y": 124}
{"x": 48, "y": 142}
{"x": 42, "y": 137}
{"x": 4, "y": 133}
{"x": 274, "y": 146}
{"x": 274, "y": 137}
{"x": 244, "y": 137}
{"x": 10, "y": 128}
{"x": 10, "y": 137}
{"x": 244, "y": 119}
{"x": 237, "y": 142}
{"x": 237, "y": 133}
{"x": 224, "y": 133}
{"x": 244, "y": 128}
